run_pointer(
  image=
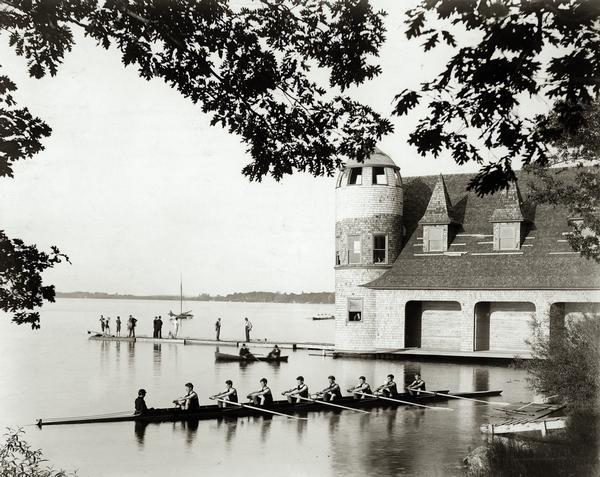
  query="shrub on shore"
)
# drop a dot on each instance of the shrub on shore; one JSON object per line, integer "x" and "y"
{"x": 19, "y": 459}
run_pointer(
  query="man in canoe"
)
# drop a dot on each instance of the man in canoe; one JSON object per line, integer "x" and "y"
{"x": 275, "y": 353}
{"x": 230, "y": 394}
{"x": 331, "y": 392}
{"x": 262, "y": 397}
{"x": 300, "y": 391}
{"x": 361, "y": 388}
{"x": 416, "y": 386}
{"x": 388, "y": 389}
{"x": 189, "y": 402}
{"x": 245, "y": 353}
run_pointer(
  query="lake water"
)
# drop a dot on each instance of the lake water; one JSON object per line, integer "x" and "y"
{"x": 58, "y": 372}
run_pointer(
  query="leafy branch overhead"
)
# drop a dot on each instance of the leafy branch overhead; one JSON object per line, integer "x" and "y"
{"x": 473, "y": 104}
{"x": 249, "y": 68}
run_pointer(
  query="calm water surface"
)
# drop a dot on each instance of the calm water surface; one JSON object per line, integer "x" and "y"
{"x": 57, "y": 372}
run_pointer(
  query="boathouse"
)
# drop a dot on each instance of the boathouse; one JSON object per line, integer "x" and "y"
{"x": 423, "y": 265}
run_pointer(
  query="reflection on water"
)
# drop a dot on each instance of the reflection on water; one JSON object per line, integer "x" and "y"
{"x": 387, "y": 441}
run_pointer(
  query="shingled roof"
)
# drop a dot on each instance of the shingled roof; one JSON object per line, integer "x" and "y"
{"x": 439, "y": 209}
{"x": 545, "y": 260}
{"x": 509, "y": 205}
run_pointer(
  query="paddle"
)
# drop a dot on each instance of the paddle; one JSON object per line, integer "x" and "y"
{"x": 491, "y": 403}
{"x": 408, "y": 402}
{"x": 334, "y": 405}
{"x": 263, "y": 410}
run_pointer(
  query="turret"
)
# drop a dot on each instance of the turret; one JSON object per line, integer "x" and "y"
{"x": 368, "y": 239}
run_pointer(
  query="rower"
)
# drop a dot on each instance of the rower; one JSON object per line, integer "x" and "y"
{"x": 262, "y": 397}
{"x": 300, "y": 391}
{"x": 189, "y": 402}
{"x": 416, "y": 386}
{"x": 140, "y": 404}
{"x": 388, "y": 389}
{"x": 361, "y": 388}
{"x": 230, "y": 394}
{"x": 331, "y": 392}
{"x": 274, "y": 353}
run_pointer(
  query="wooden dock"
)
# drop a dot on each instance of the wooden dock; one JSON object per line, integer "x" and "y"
{"x": 98, "y": 336}
{"x": 525, "y": 417}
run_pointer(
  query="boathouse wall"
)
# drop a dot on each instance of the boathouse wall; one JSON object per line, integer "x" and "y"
{"x": 511, "y": 313}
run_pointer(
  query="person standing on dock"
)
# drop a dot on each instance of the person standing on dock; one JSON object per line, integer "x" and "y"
{"x": 190, "y": 401}
{"x": 155, "y": 327}
{"x": 300, "y": 391}
{"x": 262, "y": 397}
{"x": 416, "y": 386}
{"x": 107, "y": 325}
{"x": 218, "y": 328}
{"x": 102, "y": 325}
{"x": 159, "y": 323}
{"x": 118, "y": 323}
{"x": 131, "y": 326}
{"x": 247, "y": 328}
{"x": 389, "y": 388}
{"x": 331, "y": 392}
{"x": 230, "y": 394}
{"x": 361, "y": 388}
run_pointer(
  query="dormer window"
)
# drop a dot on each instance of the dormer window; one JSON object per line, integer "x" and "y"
{"x": 355, "y": 176}
{"x": 435, "y": 238}
{"x": 379, "y": 176}
{"x": 507, "y": 236}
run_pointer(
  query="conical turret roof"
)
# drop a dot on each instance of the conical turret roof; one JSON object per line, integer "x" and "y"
{"x": 377, "y": 158}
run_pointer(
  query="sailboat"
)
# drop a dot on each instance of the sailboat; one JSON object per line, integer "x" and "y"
{"x": 182, "y": 315}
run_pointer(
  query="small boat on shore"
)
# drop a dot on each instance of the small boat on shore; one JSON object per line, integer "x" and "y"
{"x": 234, "y": 357}
{"x": 215, "y": 412}
{"x": 323, "y": 316}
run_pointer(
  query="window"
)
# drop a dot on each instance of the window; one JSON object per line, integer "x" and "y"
{"x": 354, "y": 247}
{"x": 435, "y": 239}
{"x": 379, "y": 248}
{"x": 509, "y": 236}
{"x": 379, "y": 176}
{"x": 355, "y": 176}
{"x": 355, "y": 307}
{"x": 338, "y": 260}
{"x": 340, "y": 179}
{"x": 398, "y": 179}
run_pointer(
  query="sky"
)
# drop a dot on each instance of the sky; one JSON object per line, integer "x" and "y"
{"x": 136, "y": 187}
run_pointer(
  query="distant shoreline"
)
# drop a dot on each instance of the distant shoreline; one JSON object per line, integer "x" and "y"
{"x": 247, "y": 297}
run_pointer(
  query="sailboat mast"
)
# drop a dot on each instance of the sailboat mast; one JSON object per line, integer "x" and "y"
{"x": 180, "y": 294}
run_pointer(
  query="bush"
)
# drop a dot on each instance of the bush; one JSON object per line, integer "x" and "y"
{"x": 18, "y": 459}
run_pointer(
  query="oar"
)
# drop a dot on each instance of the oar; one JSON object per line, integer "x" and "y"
{"x": 408, "y": 402}
{"x": 334, "y": 405}
{"x": 263, "y": 410}
{"x": 491, "y": 403}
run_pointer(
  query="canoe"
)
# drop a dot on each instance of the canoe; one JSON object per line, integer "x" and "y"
{"x": 323, "y": 317}
{"x": 250, "y": 359}
{"x": 215, "y": 412}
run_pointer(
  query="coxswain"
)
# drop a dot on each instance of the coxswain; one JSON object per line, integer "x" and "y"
{"x": 416, "y": 386}
{"x": 230, "y": 394}
{"x": 140, "y": 404}
{"x": 300, "y": 391}
{"x": 189, "y": 402}
{"x": 262, "y": 397}
{"x": 331, "y": 392}
{"x": 388, "y": 389}
{"x": 275, "y": 353}
{"x": 361, "y": 388}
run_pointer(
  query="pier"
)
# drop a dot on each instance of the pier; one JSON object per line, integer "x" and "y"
{"x": 294, "y": 345}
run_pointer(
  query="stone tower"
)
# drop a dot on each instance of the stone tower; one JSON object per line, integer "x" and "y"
{"x": 368, "y": 239}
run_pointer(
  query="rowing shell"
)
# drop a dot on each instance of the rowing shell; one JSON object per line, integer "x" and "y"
{"x": 216, "y": 412}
